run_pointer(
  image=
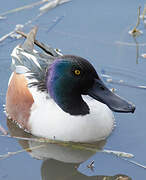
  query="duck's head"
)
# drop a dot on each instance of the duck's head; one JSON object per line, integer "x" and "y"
{"x": 69, "y": 77}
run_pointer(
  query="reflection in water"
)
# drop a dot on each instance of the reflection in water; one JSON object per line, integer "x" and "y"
{"x": 55, "y": 170}
{"x": 137, "y": 49}
{"x": 59, "y": 162}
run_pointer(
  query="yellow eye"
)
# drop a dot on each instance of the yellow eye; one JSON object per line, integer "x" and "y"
{"x": 77, "y": 72}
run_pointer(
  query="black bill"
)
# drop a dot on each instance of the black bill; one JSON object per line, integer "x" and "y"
{"x": 101, "y": 93}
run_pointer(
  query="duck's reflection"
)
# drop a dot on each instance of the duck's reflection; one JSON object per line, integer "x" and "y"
{"x": 59, "y": 162}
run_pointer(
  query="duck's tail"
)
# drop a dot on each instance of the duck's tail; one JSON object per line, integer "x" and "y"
{"x": 26, "y": 60}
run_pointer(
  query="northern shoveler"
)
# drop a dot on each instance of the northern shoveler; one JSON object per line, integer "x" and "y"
{"x": 47, "y": 95}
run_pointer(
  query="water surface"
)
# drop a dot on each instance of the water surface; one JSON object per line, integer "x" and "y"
{"x": 93, "y": 30}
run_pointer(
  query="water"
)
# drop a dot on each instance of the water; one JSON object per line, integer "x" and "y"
{"x": 93, "y": 30}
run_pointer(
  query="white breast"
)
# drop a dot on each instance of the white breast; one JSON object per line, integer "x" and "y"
{"x": 48, "y": 120}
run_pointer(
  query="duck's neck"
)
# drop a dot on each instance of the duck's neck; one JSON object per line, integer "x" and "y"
{"x": 73, "y": 104}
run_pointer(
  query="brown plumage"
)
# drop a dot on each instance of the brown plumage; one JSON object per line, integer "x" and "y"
{"x": 19, "y": 100}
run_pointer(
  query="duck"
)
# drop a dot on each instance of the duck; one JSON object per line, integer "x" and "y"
{"x": 60, "y": 97}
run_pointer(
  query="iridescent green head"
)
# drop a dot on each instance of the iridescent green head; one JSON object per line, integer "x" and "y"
{"x": 69, "y": 77}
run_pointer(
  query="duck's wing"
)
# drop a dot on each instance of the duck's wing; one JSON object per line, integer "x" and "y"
{"x": 26, "y": 60}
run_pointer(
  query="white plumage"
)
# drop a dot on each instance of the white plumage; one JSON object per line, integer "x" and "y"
{"x": 48, "y": 120}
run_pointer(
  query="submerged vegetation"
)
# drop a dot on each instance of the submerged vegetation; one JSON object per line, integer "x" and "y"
{"x": 136, "y": 32}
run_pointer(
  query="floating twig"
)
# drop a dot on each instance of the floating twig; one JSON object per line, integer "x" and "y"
{"x": 138, "y": 17}
{"x": 124, "y": 155}
{"x": 137, "y": 49}
{"x": 79, "y": 146}
{"x": 143, "y": 13}
{"x": 18, "y": 27}
{"x": 135, "y": 32}
{"x": 52, "y": 4}
{"x": 118, "y": 153}
{"x": 122, "y": 83}
{"x": 43, "y": 140}
{"x": 6, "y": 36}
{"x": 74, "y": 145}
{"x": 2, "y": 129}
{"x": 129, "y": 44}
{"x": 136, "y": 163}
{"x": 23, "y": 7}
{"x": 4, "y": 156}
